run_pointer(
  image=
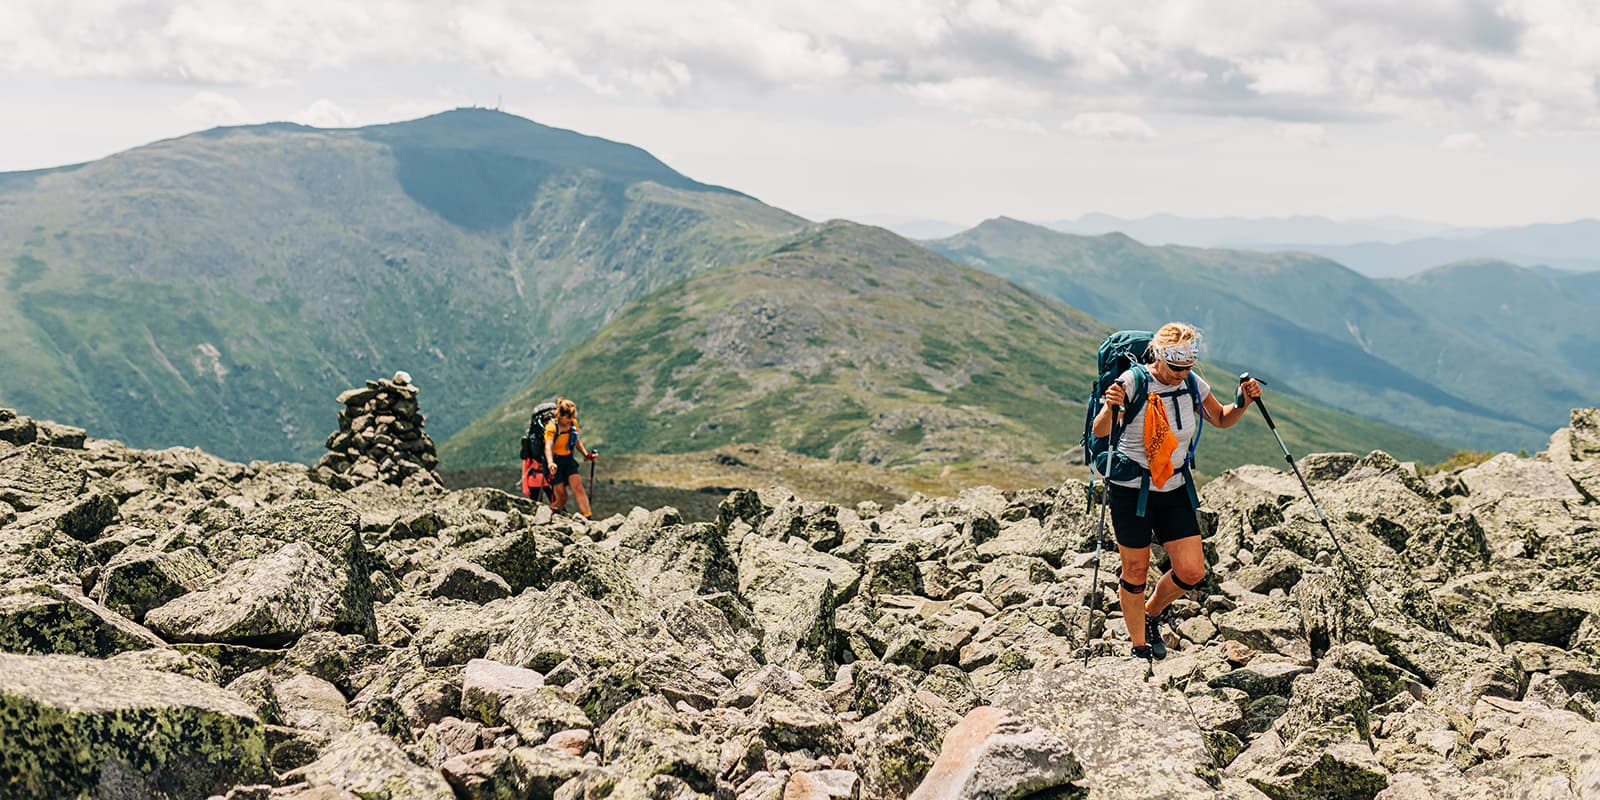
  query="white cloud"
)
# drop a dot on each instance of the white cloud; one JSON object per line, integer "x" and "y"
{"x": 981, "y": 95}
{"x": 1011, "y": 125}
{"x": 1302, "y": 72}
{"x": 325, "y": 113}
{"x": 1110, "y": 125}
{"x": 1524, "y": 64}
{"x": 1462, "y": 143}
{"x": 665, "y": 79}
{"x": 208, "y": 109}
{"x": 1307, "y": 134}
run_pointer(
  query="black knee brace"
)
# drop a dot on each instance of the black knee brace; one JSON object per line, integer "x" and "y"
{"x": 1131, "y": 588}
{"x": 1179, "y": 582}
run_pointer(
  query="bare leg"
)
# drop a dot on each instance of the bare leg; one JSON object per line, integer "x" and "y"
{"x": 558, "y": 494}
{"x": 1188, "y": 562}
{"x": 576, "y": 481}
{"x": 1135, "y": 566}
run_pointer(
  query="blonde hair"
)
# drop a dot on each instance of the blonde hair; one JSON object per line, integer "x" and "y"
{"x": 566, "y": 408}
{"x": 1174, "y": 334}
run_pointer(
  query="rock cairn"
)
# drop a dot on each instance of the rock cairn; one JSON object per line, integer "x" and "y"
{"x": 380, "y": 438}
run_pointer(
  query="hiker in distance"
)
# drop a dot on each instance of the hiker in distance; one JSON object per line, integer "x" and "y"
{"x": 561, "y": 446}
{"x": 1152, "y": 493}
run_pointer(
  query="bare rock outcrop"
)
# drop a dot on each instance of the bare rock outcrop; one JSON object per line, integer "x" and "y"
{"x": 320, "y": 633}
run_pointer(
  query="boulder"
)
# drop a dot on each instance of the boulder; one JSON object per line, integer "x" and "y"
{"x": 898, "y": 744}
{"x": 59, "y": 620}
{"x": 793, "y": 591}
{"x": 35, "y": 475}
{"x": 1549, "y": 617}
{"x": 310, "y": 703}
{"x": 652, "y": 739}
{"x": 993, "y": 755}
{"x": 490, "y": 774}
{"x": 1262, "y": 677}
{"x": 1527, "y": 746}
{"x": 82, "y": 517}
{"x": 139, "y": 579}
{"x": 1326, "y": 696}
{"x": 486, "y": 686}
{"x": 464, "y": 580}
{"x": 73, "y": 726}
{"x": 565, "y": 623}
{"x": 823, "y": 784}
{"x": 1090, "y": 708}
{"x": 544, "y": 769}
{"x": 371, "y": 766}
{"x": 521, "y": 558}
{"x": 267, "y": 601}
{"x": 16, "y": 429}
{"x": 1326, "y": 763}
{"x": 1270, "y": 625}
{"x": 538, "y": 714}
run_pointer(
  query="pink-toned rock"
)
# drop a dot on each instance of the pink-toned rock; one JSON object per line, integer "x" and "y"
{"x": 824, "y": 784}
{"x": 573, "y": 742}
{"x": 993, "y": 755}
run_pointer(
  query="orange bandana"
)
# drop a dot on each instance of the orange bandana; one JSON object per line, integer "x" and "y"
{"x": 1158, "y": 442}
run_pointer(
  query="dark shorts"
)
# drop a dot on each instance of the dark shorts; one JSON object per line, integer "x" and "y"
{"x": 1167, "y": 517}
{"x": 566, "y": 466}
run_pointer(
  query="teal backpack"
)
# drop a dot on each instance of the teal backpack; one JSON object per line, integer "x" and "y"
{"x": 1120, "y": 352}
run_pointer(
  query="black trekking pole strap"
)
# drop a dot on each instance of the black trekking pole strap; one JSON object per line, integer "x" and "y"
{"x": 1348, "y": 564}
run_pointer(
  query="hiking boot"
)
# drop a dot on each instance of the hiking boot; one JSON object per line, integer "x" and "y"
{"x": 1152, "y": 632}
{"x": 1142, "y": 651}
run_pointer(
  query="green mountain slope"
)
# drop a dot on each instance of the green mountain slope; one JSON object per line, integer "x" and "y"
{"x": 220, "y": 289}
{"x": 1329, "y": 332}
{"x": 1553, "y": 314}
{"x": 852, "y": 343}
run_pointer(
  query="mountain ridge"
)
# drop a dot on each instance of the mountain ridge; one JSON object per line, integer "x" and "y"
{"x": 817, "y": 347}
{"x": 215, "y": 288}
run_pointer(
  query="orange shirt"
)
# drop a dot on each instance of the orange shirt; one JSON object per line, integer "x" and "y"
{"x": 561, "y": 444}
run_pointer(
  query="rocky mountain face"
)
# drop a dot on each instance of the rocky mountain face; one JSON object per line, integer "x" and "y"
{"x": 219, "y": 287}
{"x": 174, "y": 625}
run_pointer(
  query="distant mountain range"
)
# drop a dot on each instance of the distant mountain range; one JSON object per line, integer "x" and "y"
{"x": 1381, "y": 247}
{"x": 1159, "y": 229}
{"x": 1450, "y": 354}
{"x": 1573, "y": 246}
{"x": 220, "y": 289}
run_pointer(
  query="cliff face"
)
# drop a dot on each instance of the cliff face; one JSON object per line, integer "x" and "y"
{"x": 176, "y": 625}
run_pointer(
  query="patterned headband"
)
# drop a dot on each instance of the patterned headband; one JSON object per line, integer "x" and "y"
{"x": 1185, "y": 353}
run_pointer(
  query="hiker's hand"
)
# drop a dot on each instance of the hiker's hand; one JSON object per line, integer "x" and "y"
{"x": 592, "y": 455}
{"x": 1251, "y": 390}
{"x": 1116, "y": 395}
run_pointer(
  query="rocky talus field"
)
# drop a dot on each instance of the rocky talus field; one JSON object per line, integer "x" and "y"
{"x": 173, "y": 625}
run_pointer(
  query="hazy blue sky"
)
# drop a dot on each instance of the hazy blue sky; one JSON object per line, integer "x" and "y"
{"x": 1453, "y": 110}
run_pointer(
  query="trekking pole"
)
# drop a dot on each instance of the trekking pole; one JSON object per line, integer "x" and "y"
{"x": 1100, "y": 532}
{"x": 1348, "y": 564}
{"x": 596, "y": 454}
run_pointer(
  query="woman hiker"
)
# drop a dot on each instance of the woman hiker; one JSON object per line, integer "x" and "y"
{"x": 560, "y": 442}
{"x": 1161, "y": 502}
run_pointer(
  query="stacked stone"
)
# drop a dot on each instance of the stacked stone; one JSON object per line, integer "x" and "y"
{"x": 380, "y": 438}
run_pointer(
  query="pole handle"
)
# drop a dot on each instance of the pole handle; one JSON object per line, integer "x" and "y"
{"x": 1244, "y": 376}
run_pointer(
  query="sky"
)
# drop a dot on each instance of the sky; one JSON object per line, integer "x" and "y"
{"x": 1464, "y": 112}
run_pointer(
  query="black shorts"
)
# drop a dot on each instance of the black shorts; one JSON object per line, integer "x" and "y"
{"x": 566, "y": 466}
{"x": 1168, "y": 516}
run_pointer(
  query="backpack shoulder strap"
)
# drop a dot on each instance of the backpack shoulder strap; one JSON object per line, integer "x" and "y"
{"x": 1199, "y": 427}
{"x": 1141, "y": 392}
